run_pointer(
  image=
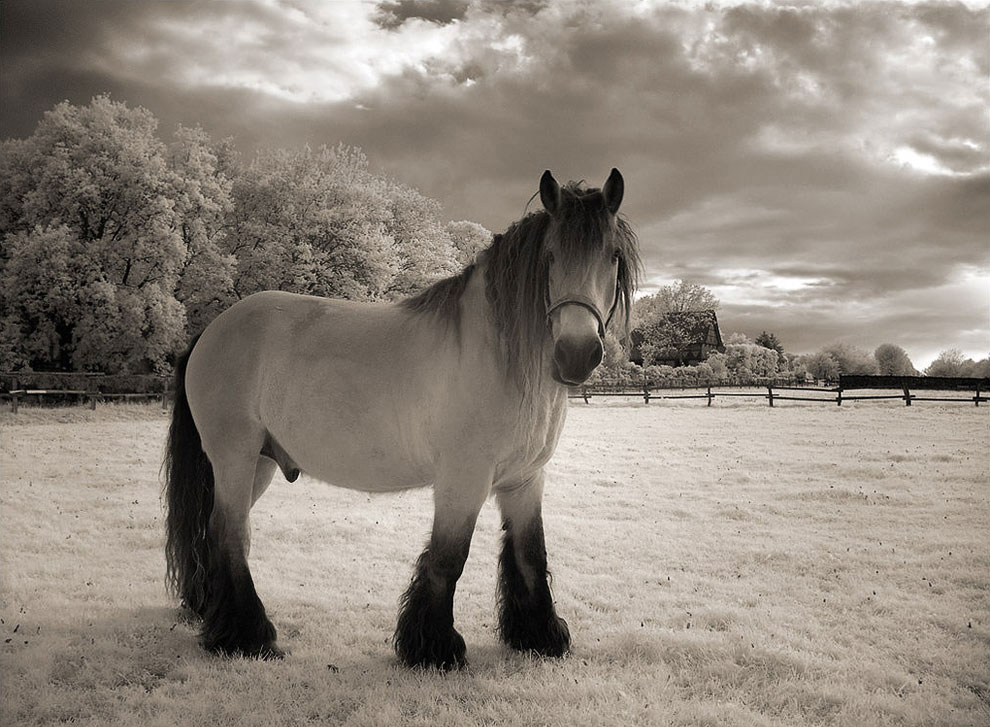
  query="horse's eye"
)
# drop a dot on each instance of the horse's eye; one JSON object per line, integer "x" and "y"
{"x": 616, "y": 256}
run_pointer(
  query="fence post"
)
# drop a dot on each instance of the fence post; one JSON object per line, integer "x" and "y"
{"x": 646, "y": 393}
{"x": 838, "y": 399}
{"x": 907, "y": 397}
{"x": 13, "y": 403}
{"x": 976, "y": 399}
{"x": 92, "y": 399}
{"x": 709, "y": 396}
{"x": 770, "y": 395}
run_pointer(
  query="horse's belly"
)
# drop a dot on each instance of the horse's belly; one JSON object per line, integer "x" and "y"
{"x": 370, "y": 470}
{"x": 352, "y": 454}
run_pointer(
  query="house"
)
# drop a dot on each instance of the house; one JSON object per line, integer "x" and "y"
{"x": 691, "y": 336}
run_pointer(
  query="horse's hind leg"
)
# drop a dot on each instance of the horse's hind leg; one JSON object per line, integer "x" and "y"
{"x": 234, "y": 620}
{"x": 527, "y": 619}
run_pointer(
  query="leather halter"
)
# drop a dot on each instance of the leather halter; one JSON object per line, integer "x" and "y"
{"x": 586, "y": 302}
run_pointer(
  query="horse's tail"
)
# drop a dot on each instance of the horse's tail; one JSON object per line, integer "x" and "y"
{"x": 188, "y": 500}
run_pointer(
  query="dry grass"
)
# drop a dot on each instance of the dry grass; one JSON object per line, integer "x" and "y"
{"x": 733, "y": 565}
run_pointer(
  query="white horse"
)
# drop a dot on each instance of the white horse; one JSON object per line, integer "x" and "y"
{"x": 462, "y": 387}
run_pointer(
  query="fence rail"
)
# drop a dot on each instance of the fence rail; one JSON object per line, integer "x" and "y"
{"x": 830, "y": 395}
{"x": 100, "y": 387}
{"x": 86, "y": 387}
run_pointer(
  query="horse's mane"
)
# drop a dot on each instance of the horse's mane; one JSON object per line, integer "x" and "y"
{"x": 517, "y": 267}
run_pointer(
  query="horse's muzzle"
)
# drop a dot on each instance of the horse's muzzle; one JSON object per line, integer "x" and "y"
{"x": 575, "y": 358}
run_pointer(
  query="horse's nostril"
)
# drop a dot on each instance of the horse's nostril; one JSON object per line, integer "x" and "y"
{"x": 577, "y": 358}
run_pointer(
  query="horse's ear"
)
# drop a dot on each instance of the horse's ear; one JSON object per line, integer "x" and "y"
{"x": 549, "y": 192}
{"x": 613, "y": 191}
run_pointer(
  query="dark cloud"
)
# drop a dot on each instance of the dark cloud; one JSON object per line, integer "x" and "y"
{"x": 393, "y": 13}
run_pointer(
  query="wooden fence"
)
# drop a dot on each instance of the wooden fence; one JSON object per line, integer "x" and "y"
{"x": 93, "y": 388}
{"x": 90, "y": 388}
{"x": 836, "y": 394}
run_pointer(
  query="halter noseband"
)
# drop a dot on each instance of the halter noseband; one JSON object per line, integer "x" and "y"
{"x": 586, "y": 302}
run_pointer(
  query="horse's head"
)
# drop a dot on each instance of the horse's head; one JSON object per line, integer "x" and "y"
{"x": 591, "y": 261}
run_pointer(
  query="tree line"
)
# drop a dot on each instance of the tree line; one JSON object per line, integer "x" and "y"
{"x": 746, "y": 359}
{"x": 118, "y": 246}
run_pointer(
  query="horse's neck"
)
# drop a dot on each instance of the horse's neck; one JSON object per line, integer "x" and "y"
{"x": 477, "y": 321}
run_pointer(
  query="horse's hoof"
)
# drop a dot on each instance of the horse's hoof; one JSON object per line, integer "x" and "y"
{"x": 443, "y": 652}
{"x": 441, "y": 664}
{"x": 266, "y": 652}
{"x": 553, "y": 640}
{"x": 271, "y": 652}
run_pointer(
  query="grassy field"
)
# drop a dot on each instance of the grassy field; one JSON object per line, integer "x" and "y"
{"x": 733, "y": 565}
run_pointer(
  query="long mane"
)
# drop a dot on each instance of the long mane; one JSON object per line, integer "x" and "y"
{"x": 516, "y": 267}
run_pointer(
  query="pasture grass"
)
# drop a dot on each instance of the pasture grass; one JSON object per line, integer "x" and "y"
{"x": 740, "y": 565}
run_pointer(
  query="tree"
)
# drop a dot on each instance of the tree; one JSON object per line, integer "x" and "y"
{"x": 977, "y": 369}
{"x": 822, "y": 365}
{"x": 893, "y": 361}
{"x": 664, "y": 339}
{"x": 851, "y": 360}
{"x": 424, "y": 249}
{"x": 747, "y": 360}
{"x": 468, "y": 238}
{"x": 319, "y": 222}
{"x": 115, "y": 246}
{"x": 948, "y": 363}
{"x": 677, "y": 297}
{"x": 769, "y": 340}
{"x": 92, "y": 182}
{"x": 202, "y": 183}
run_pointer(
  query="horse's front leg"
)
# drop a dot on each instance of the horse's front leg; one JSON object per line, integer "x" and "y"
{"x": 425, "y": 634}
{"x": 527, "y": 619}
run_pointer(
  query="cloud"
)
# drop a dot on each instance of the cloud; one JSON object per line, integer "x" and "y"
{"x": 393, "y": 13}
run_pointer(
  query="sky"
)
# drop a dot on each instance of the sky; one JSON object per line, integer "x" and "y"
{"x": 822, "y": 167}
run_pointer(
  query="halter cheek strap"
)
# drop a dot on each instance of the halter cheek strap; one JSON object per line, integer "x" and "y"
{"x": 586, "y": 302}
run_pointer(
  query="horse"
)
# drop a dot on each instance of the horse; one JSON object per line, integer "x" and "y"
{"x": 462, "y": 386}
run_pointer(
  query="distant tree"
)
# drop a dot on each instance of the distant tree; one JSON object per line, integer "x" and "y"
{"x": 677, "y": 297}
{"x": 41, "y": 297}
{"x": 893, "y": 361}
{"x": 664, "y": 339}
{"x": 422, "y": 245}
{"x": 93, "y": 184}
{"x": 769, "y": 340}
{"x": 468, "y": 238}
{"x": 718, "y": 362}
{"x": 737, "y": 338}
{"x": 948, "y": 363}
{"x": 203, "y": 174}
{"x": 822, "y": 365}
{"x": 319, "y": 222}
{"x": 116, "y": 247}
{"x": 851, "y": 360}
{"x": 977, "y": 369}
{"x": 793, "y": 362}
{"x": 748, "y": 360}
